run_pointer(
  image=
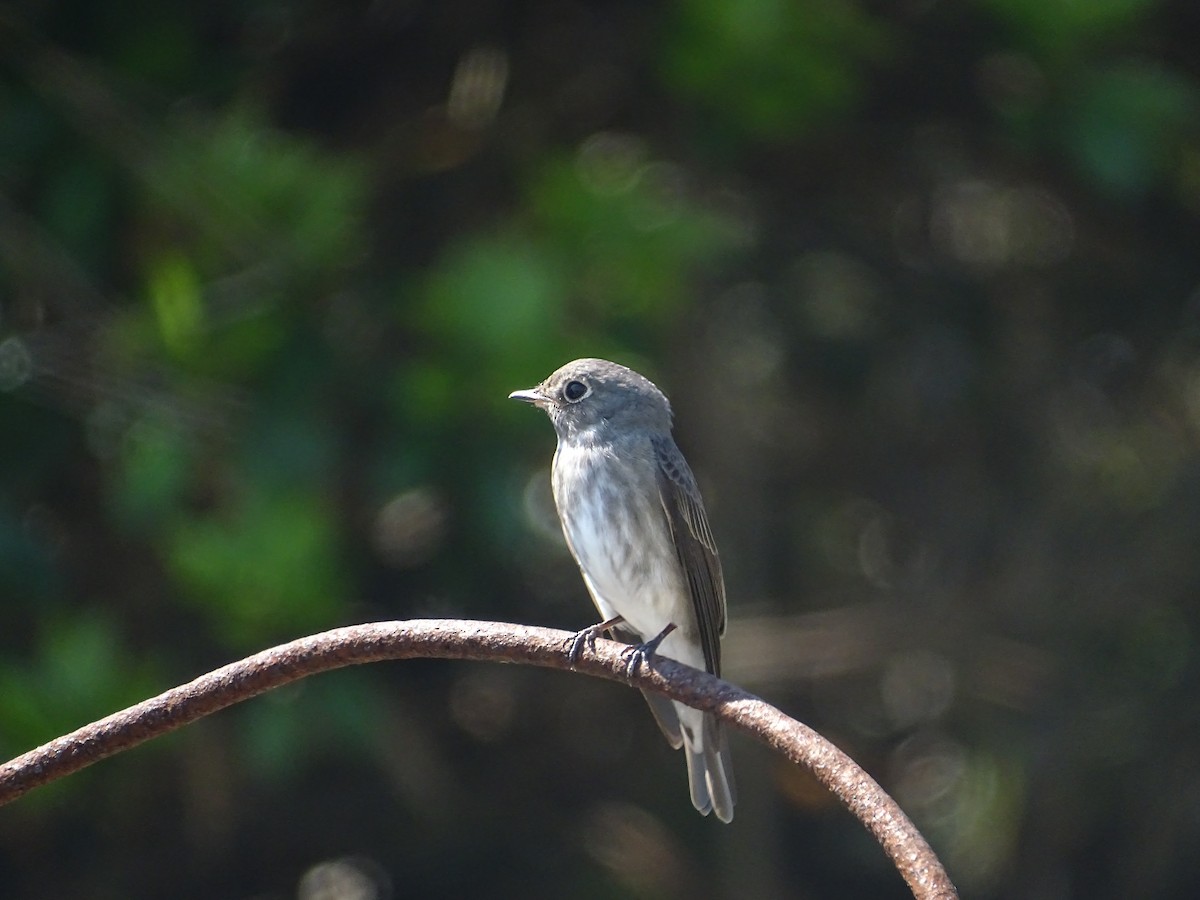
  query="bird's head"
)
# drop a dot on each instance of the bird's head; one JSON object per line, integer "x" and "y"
{"x": 589, "y": 394}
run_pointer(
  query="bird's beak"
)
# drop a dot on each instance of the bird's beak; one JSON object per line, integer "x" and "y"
{"x": 531, "y": 395}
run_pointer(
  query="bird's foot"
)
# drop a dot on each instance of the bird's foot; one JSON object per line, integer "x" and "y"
{"x": 644, "y": 652}
{"x": 587, "y": 637}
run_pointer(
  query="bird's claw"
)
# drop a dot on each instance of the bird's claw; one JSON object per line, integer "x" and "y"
{"x": 587, "y": 637}
{"x": 644, "y": 652}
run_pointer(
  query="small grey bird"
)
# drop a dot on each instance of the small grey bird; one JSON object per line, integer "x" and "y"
{"x": 635, "y": 523}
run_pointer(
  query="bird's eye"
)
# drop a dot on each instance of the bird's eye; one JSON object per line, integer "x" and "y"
{"x": 575, "y": 391}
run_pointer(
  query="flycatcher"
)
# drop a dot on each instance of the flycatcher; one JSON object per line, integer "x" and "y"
{"x": 635, "y": 523}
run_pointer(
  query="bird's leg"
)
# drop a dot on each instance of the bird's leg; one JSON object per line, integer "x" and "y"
{"x": 588, "y": 636}
{"x": 644, "y": 652}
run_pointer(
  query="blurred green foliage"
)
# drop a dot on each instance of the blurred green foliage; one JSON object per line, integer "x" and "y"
{"x": 920, "y": 280}
{"x": 772, "y": 69}
{"x": 275, "y": 560}
{"x": 78, "y": 666}
{"x": 1125, "y": 126}
{"x": 1062, "y": 29}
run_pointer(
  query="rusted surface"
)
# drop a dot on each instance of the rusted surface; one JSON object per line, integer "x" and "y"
{"x": 495, "y": 642}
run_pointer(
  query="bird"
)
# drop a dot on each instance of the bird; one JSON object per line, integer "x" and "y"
{"x": 635, "y": 523}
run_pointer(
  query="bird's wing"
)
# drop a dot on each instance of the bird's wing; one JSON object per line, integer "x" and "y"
{"x": 694, "y": 545}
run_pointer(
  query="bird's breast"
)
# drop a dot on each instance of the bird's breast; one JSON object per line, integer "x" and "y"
{"x": 616, "y": 528}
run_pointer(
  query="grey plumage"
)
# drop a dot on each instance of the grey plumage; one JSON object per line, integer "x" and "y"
{"x": 634, "y": 521}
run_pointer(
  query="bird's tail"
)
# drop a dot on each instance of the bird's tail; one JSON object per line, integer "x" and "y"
{"x": 710, "y": 773}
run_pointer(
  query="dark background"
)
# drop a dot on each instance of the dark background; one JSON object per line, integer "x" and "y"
{"x": 921, "y": 278}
